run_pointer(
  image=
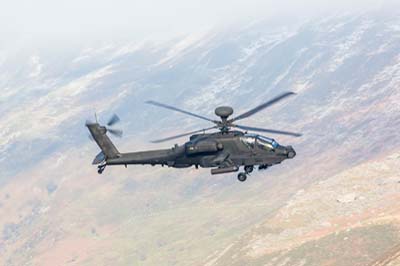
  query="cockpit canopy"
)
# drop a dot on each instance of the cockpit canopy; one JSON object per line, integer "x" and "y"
{"x": 253, "y": 140}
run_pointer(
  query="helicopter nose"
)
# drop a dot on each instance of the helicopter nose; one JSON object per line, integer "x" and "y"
{"x": 291, "y": 153}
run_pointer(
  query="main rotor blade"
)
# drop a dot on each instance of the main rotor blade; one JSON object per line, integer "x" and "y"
{"x": 263, "y": 106}
{"x": 182, "y": 135}
{"x": 268, "y": 130}
{"x": 113, "y": 120}
{"x": 178, "y": 110}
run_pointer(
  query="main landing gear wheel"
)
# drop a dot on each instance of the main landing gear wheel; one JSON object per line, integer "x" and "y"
{"x": 263, "y": 167}
{"x": 248, "y": 169}
{"x": 242, "y": 177}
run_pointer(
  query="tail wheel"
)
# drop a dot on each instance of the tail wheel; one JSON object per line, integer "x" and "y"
{"x": 101, "y": 168}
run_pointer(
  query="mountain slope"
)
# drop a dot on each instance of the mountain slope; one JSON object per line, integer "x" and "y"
{"x": 347, "y": 219}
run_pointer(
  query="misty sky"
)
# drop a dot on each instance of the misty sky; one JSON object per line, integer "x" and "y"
{"x": 46, "y": 19}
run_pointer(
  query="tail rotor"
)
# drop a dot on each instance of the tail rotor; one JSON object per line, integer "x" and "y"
{"x": 109, "y": 126}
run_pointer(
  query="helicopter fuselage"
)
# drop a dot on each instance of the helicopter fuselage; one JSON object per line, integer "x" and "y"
{"x": 226, "y": 151}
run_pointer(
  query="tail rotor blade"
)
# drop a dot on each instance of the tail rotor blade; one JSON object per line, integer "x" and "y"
{"x": 116, "y": 132}
{"x": 113, "y": 120}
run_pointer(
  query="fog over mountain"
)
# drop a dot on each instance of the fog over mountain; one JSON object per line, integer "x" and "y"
{"x": 334, "y": 204}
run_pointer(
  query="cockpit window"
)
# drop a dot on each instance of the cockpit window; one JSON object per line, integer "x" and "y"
{"x": 266, "y": 143}
{"x": 249, "y": 141}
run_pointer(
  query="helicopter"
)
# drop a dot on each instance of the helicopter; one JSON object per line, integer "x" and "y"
{"x": 225, "y": 151}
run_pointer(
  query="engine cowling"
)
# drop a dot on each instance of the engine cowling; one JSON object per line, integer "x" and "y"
{"x": 203, "y": 147}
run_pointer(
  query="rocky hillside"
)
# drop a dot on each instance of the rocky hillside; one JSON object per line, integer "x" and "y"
{"x": 348, "y": 219}
{"x": 333, "y": 204}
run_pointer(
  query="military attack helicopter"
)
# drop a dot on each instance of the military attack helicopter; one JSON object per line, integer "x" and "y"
{"x": 225, "y": 151}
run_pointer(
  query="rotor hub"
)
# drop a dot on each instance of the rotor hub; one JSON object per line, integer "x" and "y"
{"x": 224, "y": 111}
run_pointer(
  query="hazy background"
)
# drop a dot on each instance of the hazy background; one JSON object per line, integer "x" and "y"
{"x": 74, "y": 20}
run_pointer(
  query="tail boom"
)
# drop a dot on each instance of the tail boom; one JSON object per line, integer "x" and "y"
{"x": 162, "y": 157}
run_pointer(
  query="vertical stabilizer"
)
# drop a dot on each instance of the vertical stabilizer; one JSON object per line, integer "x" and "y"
{"x": 99, "y": 134}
